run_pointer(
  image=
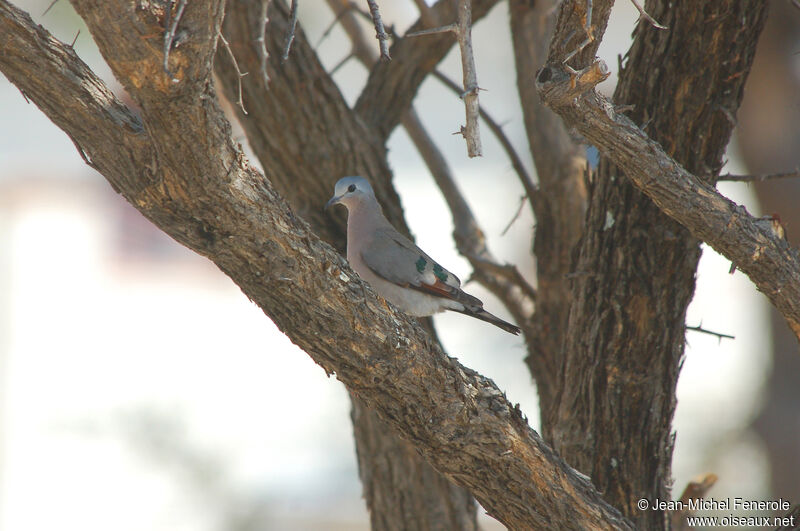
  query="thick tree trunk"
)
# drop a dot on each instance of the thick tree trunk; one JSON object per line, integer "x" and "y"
{"x": 634, "y": 276}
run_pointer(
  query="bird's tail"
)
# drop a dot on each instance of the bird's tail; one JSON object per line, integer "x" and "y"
{"x": 483, "y": 315}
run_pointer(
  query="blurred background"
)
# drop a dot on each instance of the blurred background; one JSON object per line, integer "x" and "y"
{"x": 137, "y": 383}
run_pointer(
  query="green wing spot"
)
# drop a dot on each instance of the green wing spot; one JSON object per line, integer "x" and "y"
{"x": 421, "y": 263}
{"x": 439, "y": 272}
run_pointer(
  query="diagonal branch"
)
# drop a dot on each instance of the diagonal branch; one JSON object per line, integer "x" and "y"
{"x": 207, "y": 196}
{"x": 727, "y": 227}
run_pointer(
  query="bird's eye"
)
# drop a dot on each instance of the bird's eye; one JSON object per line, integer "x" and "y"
{"x": 351, "y": 188}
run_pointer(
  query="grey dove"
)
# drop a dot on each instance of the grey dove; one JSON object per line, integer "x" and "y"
{"x": 396, "y": 268}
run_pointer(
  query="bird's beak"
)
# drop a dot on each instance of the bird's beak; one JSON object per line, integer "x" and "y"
{"x": 332, "y": 201}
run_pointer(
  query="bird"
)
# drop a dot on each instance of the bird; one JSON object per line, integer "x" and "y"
{"x": 394, "y": 266}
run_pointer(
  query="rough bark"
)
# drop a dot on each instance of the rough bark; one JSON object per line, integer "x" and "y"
{"x": 559, "y": 206}
{"x": 635, "y": 273}
{"x": 404, "y": 491}
{"x": 178, "y": 165}
{"x": 579, "y": 32}
{"x": 401, "y": 489}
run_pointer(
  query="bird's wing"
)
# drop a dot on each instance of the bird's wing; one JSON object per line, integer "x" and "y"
{"x": 393, "y": 257}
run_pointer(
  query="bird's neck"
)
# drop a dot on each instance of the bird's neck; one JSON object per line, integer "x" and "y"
{"x": 366, "y": 215}
{"x": 362, "y": 220}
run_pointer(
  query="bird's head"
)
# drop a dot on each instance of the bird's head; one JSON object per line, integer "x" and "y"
{"x": 350, "y": 191}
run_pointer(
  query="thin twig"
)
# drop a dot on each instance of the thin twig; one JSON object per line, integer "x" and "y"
{"x": 333, "y": 23}
{"x": 72, "y": 44}
{"x": 290, "y": 34}
{"x": 516, "y": 215}
{"x": 361, "y": 49}
{"x": 82, "y": 152}
{"x": 759, "y": 178}
{"x": 587, "y": 28}
{"x": 261, "y": 40}
{"x": 497, "y": 130}
{"x": 351, "y": 6}
{"x": 239, "y": 73}
{"x": 341, "y": 63}
{"x": 169, "y": 36}
{"x": 644, "y": 15}
{"x": 432, "y": 31}
{"x": 471, "y": 131}
{"x": 718, "y": 335}
{"x": 463, "y": 31}
{"x": 508, "y": 271}
{"x": 380, "y": 31}
{"x": 49, "y": 7}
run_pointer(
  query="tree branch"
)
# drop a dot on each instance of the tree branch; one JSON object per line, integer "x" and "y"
{"x": 380, "y": 32}
{"x": 643, "y": 15}
{"x": 391, "y": 87}
{"x": 239, "y": 73}
{"x": 718, "y": 335}
{"x": 171, "y": 28}
{"x": 727, "y": 227}
{"x": 759, "y": 178}
{"x": 261, "y": 40}
{"x": 291, "y": 31}
{"x": 209, "y": 198}
{"x": 471, "y": 131}
{"x": 462, "y": 29}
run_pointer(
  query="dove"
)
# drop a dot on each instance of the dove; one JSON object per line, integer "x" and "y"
{"x": 394, "y": 266}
